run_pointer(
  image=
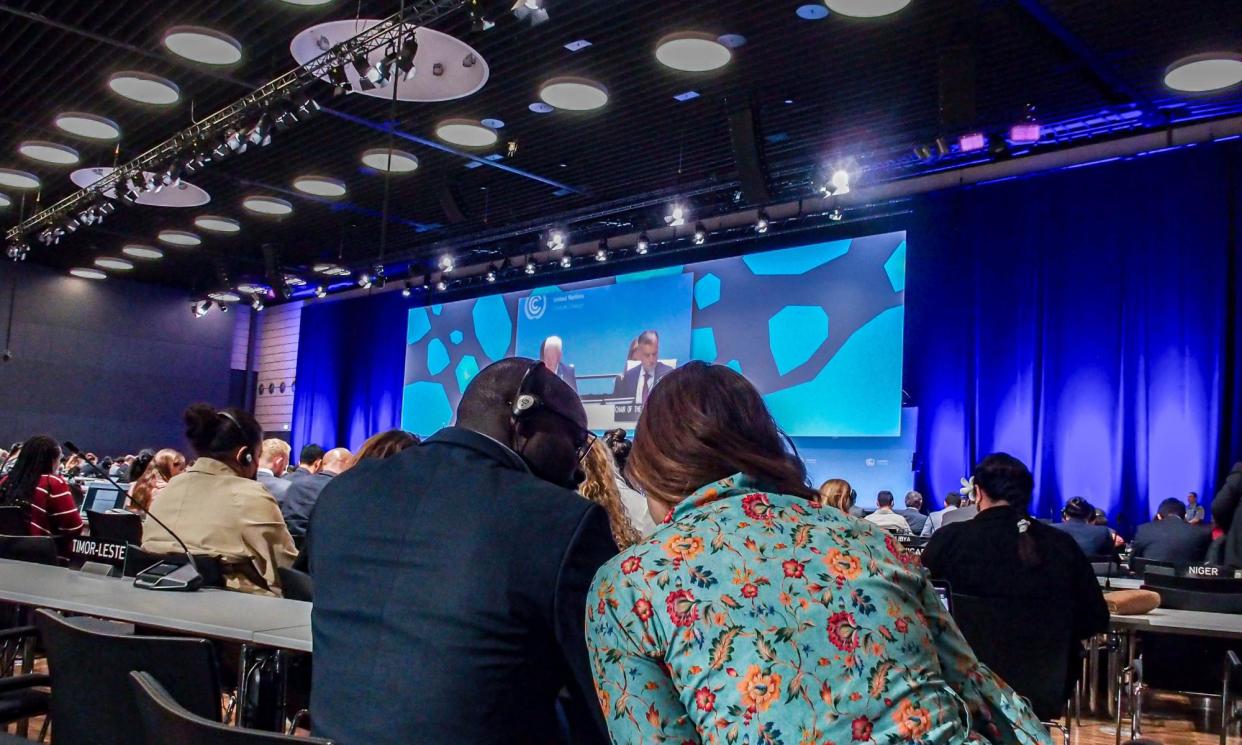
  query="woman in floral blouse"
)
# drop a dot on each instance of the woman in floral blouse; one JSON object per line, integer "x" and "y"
{"x": 753, "y": 616}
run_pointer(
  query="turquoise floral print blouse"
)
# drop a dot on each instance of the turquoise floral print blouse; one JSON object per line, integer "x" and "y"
{"x": 759, "y": 618}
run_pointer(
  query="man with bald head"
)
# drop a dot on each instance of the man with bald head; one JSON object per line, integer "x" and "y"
{"x": 451, "y": 579}
{"x": 302, "y": 494}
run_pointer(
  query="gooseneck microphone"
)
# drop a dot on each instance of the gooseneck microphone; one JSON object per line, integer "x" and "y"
{"x": 164, "y": 575}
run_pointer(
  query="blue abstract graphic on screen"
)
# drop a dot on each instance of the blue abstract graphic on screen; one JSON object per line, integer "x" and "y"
{"x": 817, "y": 328}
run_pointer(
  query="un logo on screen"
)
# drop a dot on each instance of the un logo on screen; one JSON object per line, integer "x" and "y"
{"x": 534, "y": 307}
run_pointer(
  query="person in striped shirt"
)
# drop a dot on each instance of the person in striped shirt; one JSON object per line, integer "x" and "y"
{"x": 35, "y": 486}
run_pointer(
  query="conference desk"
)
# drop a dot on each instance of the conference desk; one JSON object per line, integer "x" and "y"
{"x": 1110, "y": 584}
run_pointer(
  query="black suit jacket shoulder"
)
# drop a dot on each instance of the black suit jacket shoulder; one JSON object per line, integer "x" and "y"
{"x": 1172, "y": 541}
{"x": 462, "y": 579}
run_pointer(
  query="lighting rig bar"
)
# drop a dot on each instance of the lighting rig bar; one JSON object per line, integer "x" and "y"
{"x": 200, "y": 143}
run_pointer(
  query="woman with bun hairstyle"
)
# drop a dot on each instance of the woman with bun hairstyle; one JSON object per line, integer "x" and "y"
{"x": 218, "y": 508}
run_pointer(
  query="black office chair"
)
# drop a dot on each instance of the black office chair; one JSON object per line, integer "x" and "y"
{"x": 35, "y": 549}
{"x": 165, "y": 721}
{"x": 1029, "y": 644}
{"x": 295, "y": 585}
{"x": 13, "y": 520}
{"x": 21, "y": 696}
{"x": 120, "y": 527}
{"x": 1180, "y": 591}
{"x": 92, "y": 702}
{"x": 210, "y": 567}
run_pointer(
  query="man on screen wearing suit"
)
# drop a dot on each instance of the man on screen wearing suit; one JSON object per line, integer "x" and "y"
{"x": 638, "y": 381}
{"x": 551, "y": 352}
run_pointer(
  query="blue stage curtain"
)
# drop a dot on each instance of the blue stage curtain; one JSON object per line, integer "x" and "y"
{"x": 1086, "y": 322}
{"x": 351, "y": 362}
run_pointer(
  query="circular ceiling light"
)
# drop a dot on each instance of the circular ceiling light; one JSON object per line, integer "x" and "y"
{"x": 250, "y": 288}
{"x": 139, "y": 251}
{"x": 332, "y": 270}
{"x": 109, "y": 262}
{"x": 574, "y": 94}
{"x": 539, "y": 107}
{"x": 87, "y": 273}
{"x": 394, "y": 161}
{"x": 18, "y": 179}
{"x": 493, "y": 123}
{"x": 307, "y": 2}
{"x": 145, "y": 88}
{"x": 203, "y": 45}
{"x": 865, "y": 8}
{"x": 691, "y": 51}
{"x": 217, "y": 224}
{"x": 179, "y": 238}
{"x": 227, "y": 296}
{"x": 87, "y": 125}
{"x": 320, "y": 186}
{"x": 812, "y": 12}
{"x": 1202, "y": 73}
{"x": 466, "y": 133}
{"x": 49, "y": 152}
{"x": 267, "y": 205}
{"x": 5, "y": 201}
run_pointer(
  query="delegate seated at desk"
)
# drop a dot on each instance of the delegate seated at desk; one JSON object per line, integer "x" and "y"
{"x": 638, "y": 381}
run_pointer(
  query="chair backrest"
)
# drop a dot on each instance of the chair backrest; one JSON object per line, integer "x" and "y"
{"x": 1142, "y": 566}
{"x": 1028, "y": 643}
{"x": 1211, "y": 594}
{"x": 296, "y": 585}
{"x": 165, "y": 721}
{"x": 13, "y": 520}
{"x": 210, "y": 567}
{"x": 92, "y": 701}
{"x": 122, "y": 527}
{"x": 35, "y": 549}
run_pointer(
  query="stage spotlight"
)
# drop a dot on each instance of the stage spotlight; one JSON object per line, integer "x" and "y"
{"x": 490, "y": 276}
{"x": 369, "y": 75}
{"x": 446, "y": 263}
{"x": 676, "y": 216}
{"x": 441, "y": 285}
{"x": 364, "y": 281}
{"x": 223, "y": 308}
{"x": 601, "y": 255}
{"x": 199, "y": 309}
{"x": 530, "y": 10}
{"x": 261, "y": 133}
{"x": 407, "y": 290}
{"x": 700, "y": 234}
{"x": 642, "y": 245}
{"x": 556, "y": 240}
{"x": 567, "y": 261}
{"x": 256, "y": 303}
{"x": 530, "y": 266}
{"x": 405, "y": 58}
{"x": 762, "y": 223}
{"x": 338, "y": 78}
{"x": 321, "y": 291}
{"x": 839, "y": 183}
{"x": 836, "y": 215}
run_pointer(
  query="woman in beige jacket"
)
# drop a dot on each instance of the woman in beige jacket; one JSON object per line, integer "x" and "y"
{"x": 218, "y": 508}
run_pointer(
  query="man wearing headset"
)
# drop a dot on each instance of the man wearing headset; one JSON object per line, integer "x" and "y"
{"x": 451, "y": 579}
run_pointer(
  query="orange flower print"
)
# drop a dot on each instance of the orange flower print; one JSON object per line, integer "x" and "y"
{"x": 842, "y": 565}
{"x": 759, "y": 691}
{"x": 632, "y": 564}
{"x": 912, "y": 722}
{"x": 683, "y": 548}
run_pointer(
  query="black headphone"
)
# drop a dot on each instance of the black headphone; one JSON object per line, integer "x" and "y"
{"x": 246, "y": 457}
{"x": 526, "y": 401}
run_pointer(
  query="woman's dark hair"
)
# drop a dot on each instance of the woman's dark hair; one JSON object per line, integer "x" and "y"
{"x": 220, "y": 433}
{"x": 37, "y": 459}
{"x": 1006, "y": 479}
{"x": 387, "y": 444}
{"x": 139, "y": 465}
{"x": 704, "y": 423}
{"x": 1078, "y": 508}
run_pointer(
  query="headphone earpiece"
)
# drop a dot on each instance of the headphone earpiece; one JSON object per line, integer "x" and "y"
{"x": 245, "y": 457}
{"x": 524, "y": 403}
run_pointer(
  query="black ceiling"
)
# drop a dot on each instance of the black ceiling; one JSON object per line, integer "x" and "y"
{"x": 826, "y": 90}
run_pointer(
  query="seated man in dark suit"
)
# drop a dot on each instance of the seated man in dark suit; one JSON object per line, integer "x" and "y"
{"x": 1170, "y": 539}
{"x": 309, "y": 461}
{"x": 551, "y": 353}
{"x": 638, "y": 381}
{"x": 913, "y": 512}
{"x": 301, "y": 496}
{"x": 1094, "y": 540}
{"x": 451, "y": 579}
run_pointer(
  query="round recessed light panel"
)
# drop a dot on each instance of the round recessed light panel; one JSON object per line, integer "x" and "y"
{"x": 87, "y": 125}
{"x": 1203, "y": 73}
{"x": 690, "y": 51}
{"x": 145, "y": 88}
{"x": 493, "y": 123}
{"x": 49, "y": 152}
{"x": 5, "y": 201}
{"x": 184, "y": 194}
{"x": 179, "y": 238}
{"x": 574, "y": 94}
{"x": 109, "y": 262}
{"x": 466, "y": 132}
{"x": 539, "y": 107}
{"x": 307, "y": 3}
{"x": 85, "y": 272}
{"x": 217, "y": 224}
{"x": 812, "y": 12}
{"x": 16, "y": 179}
{"x": 227, "y": 296}
{"x": 448, "y": 68}
{"x": 395, "y": 161}
{"x": 139, "y": 251}
{"x": 252, "y": 288}
{"x": 267, "y": 206}
{"x": 320, "y": 186}
{"x": 865, "y": 8}
{"x": 203, "y": 45}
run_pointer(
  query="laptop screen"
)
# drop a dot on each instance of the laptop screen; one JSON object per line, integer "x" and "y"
{"x": 101, "y": 497}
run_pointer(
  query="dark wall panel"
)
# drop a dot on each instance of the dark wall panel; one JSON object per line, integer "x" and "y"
{"x": 109, "y": 365}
